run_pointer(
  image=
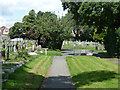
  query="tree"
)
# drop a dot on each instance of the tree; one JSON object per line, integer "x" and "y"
{"x": 29, "y": 22}
{"x": 45, "y": 27}
{"x": 101, "y": 16}
{"x": 52, "y": 30}
{"x": 16, "y": 31}
{"x": 87, "y": 34}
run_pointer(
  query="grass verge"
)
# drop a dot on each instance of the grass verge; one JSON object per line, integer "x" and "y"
{"x": 31, "y": 74}
{"x": 93, "y": 72}
{"x": 51, "y": 53}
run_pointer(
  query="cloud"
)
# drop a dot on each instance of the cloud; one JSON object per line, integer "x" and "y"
{"x": 13, "y": 10}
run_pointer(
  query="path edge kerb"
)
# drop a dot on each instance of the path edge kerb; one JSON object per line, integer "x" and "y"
{"x": 46, "y": 75}
{"x": 69, "y": 71}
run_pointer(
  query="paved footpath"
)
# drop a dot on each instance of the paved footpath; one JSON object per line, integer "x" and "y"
{"x": 58, "y": 75}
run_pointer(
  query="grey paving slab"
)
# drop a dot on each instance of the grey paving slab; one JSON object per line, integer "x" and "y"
{"x": 58, "y": 75}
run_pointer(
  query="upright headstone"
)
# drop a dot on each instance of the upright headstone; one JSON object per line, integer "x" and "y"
{"x": 102, "y": 46}
{"x": 3, "y": 50}
{"x": 98, "y": 45}
{"x": 63, "y": 43}
{"x": 66, "y": 42}
{"x": 33, "y": 47}
{"x": 12, "y": 46}
{"x": 7, "y": 50}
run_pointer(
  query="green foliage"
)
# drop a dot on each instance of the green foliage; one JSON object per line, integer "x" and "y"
{"x": 52, "y": 30}
{"x": 30, "y": 44}
{"x": 87, "y": 34}
{"x": 45, "y": 27}
{"x": 103, "y": 16}
{"x": 23, "y": 53}
{"x": 99, "y": 37}
{"x": 16, "y": 31}
{"x": 111, "y": 42}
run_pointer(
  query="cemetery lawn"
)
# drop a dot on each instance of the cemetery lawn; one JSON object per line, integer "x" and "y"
{"x": 31, "y": 74}
{"x": 93, "y": 72}
{"x": 51, "y": 53}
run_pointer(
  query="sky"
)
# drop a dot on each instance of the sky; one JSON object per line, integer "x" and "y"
{"x": 12, "y": 11}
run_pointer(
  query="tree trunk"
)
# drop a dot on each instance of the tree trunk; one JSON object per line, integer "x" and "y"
{"x": 39, "y": 39}
{"x": 59, "y": 45}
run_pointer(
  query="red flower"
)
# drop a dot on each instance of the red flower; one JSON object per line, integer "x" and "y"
{"x": 23, "y": 59}
{"x": 15, "y": 57}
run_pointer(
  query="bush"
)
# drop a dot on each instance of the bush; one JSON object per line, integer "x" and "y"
{"x": 23, "y": 53}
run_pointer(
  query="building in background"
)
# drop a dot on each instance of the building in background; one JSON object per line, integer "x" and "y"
{"x": 4, "y": 31}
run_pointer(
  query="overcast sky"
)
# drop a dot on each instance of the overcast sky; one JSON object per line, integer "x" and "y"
{"x": 12, "y": 11}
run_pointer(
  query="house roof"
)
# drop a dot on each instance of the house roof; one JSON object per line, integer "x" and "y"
{"x": 6, "y": 28}
{"x": 2, "y": 30}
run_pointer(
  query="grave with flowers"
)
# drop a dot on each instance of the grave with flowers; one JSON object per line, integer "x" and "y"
{"x": 14, "y": 53}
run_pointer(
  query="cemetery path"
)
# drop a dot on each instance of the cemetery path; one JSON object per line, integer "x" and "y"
{"x": 58, "y": 75}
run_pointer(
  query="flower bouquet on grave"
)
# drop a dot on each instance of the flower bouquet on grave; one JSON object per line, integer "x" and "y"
{"x": 16, "y": 55}
{"x": 24, "y": 60}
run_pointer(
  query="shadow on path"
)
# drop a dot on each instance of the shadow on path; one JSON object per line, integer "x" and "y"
{"x": 58, "y": 82}
{"x": 94, "y": 76}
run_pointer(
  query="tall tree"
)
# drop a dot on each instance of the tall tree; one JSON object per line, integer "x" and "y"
{"x": 52, "y": 30}
{"x": 45, "y": 27}
{"x": 101, "y": 16}
{"x": 16, "y": 31}
{"x": 29, "y": 22}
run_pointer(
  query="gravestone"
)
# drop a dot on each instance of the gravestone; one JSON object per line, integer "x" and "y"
{"x": 3, "y": 51}
{"x": 102, "y": 46}
{"x": 39, "y": 47}
{"x": 63, "y": 43}
{"x": 7, "y": 52}
{"x": 66, "y": 42}
{"x": 84, "y": 45}
{"x": 12, "y": 47}
{"x": 98, "y": 45}
{"x": 33, "y": 47}
{"x": 0, "y": 55}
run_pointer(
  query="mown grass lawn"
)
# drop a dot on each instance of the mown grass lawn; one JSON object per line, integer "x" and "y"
{"x": 31, "y": 74}
{"x": 93, "y": 72}
{"x": 51, "y": 53}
